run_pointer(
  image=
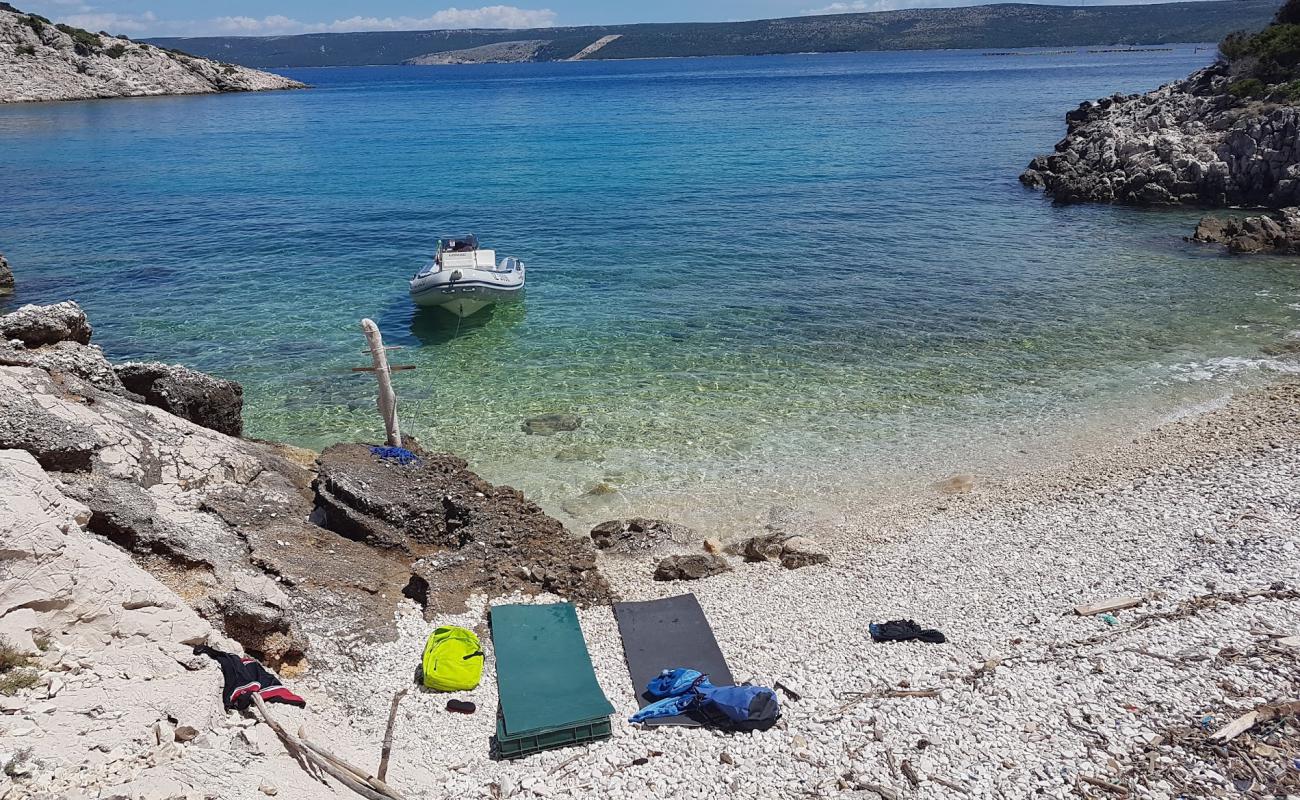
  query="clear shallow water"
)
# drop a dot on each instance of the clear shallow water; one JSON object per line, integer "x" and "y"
{"x": 760, "y": 281}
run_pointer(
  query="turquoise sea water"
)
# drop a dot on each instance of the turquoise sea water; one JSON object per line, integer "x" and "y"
{"x": 760, "y": 281}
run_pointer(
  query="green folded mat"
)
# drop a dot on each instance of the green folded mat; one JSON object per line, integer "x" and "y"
{"x": 547, "y": 687}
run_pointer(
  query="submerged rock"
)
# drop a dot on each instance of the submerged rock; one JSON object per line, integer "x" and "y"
{"x": 956, "y": 484}
{"x": 6, "y": 277}
{"x": 1258, "y": 234}
{"x": 550, "y": 424}
{"x": 214, "y": 403}
{"x": 36, "y": 326}
{"x": 692, "y": 567}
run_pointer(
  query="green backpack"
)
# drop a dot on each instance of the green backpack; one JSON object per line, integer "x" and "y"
{"x": 453, "y": 661}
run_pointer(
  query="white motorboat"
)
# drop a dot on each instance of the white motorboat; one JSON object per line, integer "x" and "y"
{"x": 465, "y": 279}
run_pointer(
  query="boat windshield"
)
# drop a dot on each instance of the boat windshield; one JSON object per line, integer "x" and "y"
{"x": 458, "y": 244}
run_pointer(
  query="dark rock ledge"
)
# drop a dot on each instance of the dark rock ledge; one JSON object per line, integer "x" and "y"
{"x": 273, "y": 547}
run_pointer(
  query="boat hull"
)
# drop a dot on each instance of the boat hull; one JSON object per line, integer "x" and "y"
{"x": 469, "y": 293}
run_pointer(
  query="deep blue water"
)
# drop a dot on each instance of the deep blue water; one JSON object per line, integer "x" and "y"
{"x": 744, "y": 272}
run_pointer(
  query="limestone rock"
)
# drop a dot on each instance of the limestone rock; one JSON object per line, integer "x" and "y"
{"x": 638, "y": 535}
{"x": 214, "y": 403}
{"x": 256, "y": 614}
{"x": 66, "y": 358}
{"x": 550, "y": 424}
{"x": 36, "y": 326}
{"x": 200, "y": 508}
{"x": 65, "y": 583}
{"x": 39, "y": 62}
{"x": 1189, "y": 142}
{"x": 6, "y": 277}
{"x": 690, "y": 567}
{"x": 1258, "y": 234}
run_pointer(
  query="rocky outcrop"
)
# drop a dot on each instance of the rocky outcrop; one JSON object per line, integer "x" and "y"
{"x": 464, "y": 534}
{"x": 691, "y": 567}
{"x": 634, "y": 536}
{"x": 1187, "y": 143}
{"x": 43, "y": 61}
{"x": 56, "y": 338}
{"x": 36, "y": 326}
{"x": 1257, "y": 234}
{"x": 122, "y": 706}
{"x": 6, "y": 277}
{"x": 214, "y": 403}
{"x": 145, "y": 477}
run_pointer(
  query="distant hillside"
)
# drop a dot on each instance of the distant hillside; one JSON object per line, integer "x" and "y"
{"x": 41, "y": 60}
{"x": 496, "y": 53}
{"x": 993, "y": 26}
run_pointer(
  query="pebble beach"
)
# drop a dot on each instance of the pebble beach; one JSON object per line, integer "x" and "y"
{"x": 1197, "y": 518}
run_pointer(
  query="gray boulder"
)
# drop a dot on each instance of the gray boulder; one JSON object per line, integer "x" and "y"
{"x": 6, "y": 277}
{"x": 214, "y": 403}
{"x": 691, "y": 567}
{"x": 36, "y": 326}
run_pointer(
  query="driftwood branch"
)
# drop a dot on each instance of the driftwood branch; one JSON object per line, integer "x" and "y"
{"x": 1106, "y": 606}
{"x": 388, "y": 736}
{"x": 346, "y": 774}
{"x": 387, "y": 399}
{"x": 1103, "y": 784}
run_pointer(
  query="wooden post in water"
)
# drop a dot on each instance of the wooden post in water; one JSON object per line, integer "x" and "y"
{"x": 387, "y": 399}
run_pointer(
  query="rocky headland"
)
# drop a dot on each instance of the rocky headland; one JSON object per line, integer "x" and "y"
{"x": 41, "y": 60}
{"x": 1224, "y": 136}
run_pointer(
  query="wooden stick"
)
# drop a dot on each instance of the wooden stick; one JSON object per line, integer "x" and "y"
{"x": 387, "y": 399}
{"x": 1107, "y": 785}
{"x": 1237, "y": 727}
{"x": 910, "y": 773}
{"x": 911, "y": 693}
{"x": 1106, "y": 606}
{"x": 391, "y": 368}
{"x": 375, "y": 783}
{"x": 956, "y": 787}
{"x": 338, "y": 769}
{"x": 294, "y": 748}
{"x": 388, "y": 736}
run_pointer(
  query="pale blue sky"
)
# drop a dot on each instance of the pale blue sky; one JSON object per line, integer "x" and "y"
{"x": 269, "y": 17}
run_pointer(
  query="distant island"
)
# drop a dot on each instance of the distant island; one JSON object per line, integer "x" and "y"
{"x": 993, "y": 26}
{"x": 43, "y": 60}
